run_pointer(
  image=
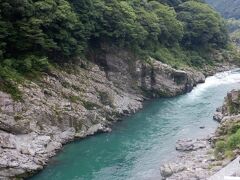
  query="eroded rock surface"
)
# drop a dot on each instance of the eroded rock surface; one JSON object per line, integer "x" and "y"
{"x": 230, "y": 107}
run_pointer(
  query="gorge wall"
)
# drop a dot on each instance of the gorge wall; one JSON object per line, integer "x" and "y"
{"x": 84, "y": 100}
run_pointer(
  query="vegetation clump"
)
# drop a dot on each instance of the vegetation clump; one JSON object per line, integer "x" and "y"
{"x": 225, "y": 148}
{"x": 13, "y": 72}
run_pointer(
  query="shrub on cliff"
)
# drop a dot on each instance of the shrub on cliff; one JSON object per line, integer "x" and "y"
{"x": 13, "y": 71}
{"x": 225, "y": 148}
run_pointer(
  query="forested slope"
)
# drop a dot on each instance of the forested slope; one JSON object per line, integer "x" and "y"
{"x": 36, "y": 32}
{"x": 228, "y": 8}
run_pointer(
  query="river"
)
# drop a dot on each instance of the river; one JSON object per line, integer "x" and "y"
{"x": 139, "y": 144}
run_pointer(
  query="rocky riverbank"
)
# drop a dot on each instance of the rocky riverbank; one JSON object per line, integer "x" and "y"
{"x": 199, "y": 159}
{"x": 196, "y": 161}
{"x": 76, "y": 101}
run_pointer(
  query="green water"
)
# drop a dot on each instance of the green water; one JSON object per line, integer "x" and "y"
{"x": 138, "y": 145}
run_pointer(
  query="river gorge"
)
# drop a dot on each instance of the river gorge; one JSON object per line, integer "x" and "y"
{"x": 119, "y": 90}
{"x": 139, "y": 144}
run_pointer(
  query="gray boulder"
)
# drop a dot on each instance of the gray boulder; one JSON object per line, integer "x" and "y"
{"x": 190, "y": 145}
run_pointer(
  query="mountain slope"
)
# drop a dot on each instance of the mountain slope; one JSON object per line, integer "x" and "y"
{"x": 34, "y": 33}
{"x": 228, "y": 8}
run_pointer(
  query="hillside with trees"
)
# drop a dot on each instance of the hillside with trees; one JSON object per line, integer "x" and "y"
{"x": 228, "y": 8}
{"x": 70, "y": 69}
{"x": 34, "y": 33}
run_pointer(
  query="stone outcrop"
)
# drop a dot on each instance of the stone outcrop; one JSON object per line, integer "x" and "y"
{"x": 231, "y": 106}
{"x": 190, "y": 145}
{"x": 168, "y": 170}
{"x": 230, "y": 115}
{"x": 76, "y": 101}
{"x": 229, "y": 124}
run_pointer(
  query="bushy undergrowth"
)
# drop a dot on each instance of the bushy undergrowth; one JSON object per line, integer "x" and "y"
{"x": 14, "y": 71}
{"x": 225, "y": 148}
{"x": 179, "y": 57}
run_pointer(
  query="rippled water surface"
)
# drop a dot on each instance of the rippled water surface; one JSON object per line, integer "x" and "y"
{"x": 138, "y": 145}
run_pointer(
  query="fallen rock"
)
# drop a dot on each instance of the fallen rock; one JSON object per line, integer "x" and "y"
{"x": 190, "y": 145}
{"x": 7, "y": 141}
{"x": 169, "y": 169}
{"x": 234, "y": 96}
{"x": 98, "y": 128}
{"x": 218, "y": 116}
{"x": 67, "y": 135}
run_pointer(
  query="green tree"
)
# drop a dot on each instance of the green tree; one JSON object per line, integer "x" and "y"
{"x": 41, "y": 27}
{"x": 172, "y": 29}
{"x": 203, "y": 26}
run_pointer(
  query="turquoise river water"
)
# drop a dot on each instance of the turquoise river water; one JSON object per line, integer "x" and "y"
{"x": 138, "y": 145}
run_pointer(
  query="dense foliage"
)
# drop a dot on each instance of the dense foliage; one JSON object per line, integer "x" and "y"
{"x": 48, "y": 27}
{"x": 234, "y": 30}
{"x": 230, "y": 9}
{"x": 224, "y": 148}
{"x": 32, "y": 31}
{"x": 203, "y": 26}
{"x": 60, "y": 28}
{"x": 233, "y": 24}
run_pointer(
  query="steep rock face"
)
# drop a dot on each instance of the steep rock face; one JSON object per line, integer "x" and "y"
{"x": 230, "y": 107}
{"x": 70, "y": 104}
{"x": 162, "y": 80}
{"x": 151, "y": 76}
{"x": 229, "y": 115}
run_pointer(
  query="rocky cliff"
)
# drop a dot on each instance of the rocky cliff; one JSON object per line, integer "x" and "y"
{"x": 76, "y": 101}
{"x": 229, "y": 117}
